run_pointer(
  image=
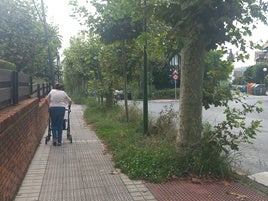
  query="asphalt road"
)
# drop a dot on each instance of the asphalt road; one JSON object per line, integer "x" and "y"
{"x": 252, "y": 158}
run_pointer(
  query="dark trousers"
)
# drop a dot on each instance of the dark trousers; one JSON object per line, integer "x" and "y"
{"x": 56, "y": 117}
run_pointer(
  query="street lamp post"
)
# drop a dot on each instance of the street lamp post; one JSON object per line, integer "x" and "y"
{"x": 145, "y": 90}
{"x": 264, "y": 74}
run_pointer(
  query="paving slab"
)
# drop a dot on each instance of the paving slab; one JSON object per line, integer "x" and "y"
{"x": 261, "y": 178}
{"x": 84, "y": 171}
{"x": 78, "y": 171}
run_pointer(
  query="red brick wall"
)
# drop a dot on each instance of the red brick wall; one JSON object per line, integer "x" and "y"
{"x": 21, "y": 129}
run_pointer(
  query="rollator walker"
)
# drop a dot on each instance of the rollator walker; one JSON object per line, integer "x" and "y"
{"x": 65, "y": 126}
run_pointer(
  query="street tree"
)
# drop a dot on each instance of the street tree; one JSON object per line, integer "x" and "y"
{"x": 205, "y": 25}
{"x": 22, "y": 37}
{"x": 118, "y": 23}
{"x": 256, "y": 73}
{"x": 81, "y": 63}
{"x": 122, "y": 21}
{"x": 216, "y": 87}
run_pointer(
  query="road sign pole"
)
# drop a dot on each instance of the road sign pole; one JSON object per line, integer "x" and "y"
{"x": 175, "y": 77}
{"x": 175, "y": 89}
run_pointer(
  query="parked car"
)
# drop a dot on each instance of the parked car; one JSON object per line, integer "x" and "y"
{"x": 119, "y": 95}
{"x": 242, "y": 88}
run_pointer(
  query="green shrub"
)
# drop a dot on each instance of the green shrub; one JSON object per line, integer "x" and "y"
{"x": 205, "y": 159}
{"x": 135, "y": 115}
{"x": 165, "y": 124}
{"x": 156, "y": 157}
{"x": 165, "y": 94}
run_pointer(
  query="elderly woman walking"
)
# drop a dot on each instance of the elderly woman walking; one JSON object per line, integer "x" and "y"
{"x": 57, "y": 99}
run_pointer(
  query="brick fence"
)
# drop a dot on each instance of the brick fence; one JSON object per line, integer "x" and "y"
{"x": 21, "y": 129}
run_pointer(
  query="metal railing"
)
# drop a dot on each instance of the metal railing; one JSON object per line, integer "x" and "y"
{"x": 16, "y": 86}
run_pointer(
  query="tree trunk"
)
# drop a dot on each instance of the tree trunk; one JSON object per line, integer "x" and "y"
{"x": 191, "y": 90}
{"x": 124, "y": 64}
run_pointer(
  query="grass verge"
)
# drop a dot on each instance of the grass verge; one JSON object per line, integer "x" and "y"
{"x": 154, "y": 158}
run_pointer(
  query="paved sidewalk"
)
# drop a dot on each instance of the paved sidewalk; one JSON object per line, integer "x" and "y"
{"x": 79, "y": 171}
{"x": 82, "y": 171}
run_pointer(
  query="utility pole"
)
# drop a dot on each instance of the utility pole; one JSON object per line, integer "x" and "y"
{"x": 145, "y": 90}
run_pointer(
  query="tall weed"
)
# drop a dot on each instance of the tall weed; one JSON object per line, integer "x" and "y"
{"x": 155, "y": 157}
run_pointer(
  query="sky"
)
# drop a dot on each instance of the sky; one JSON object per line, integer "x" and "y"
{"x": 59, "y": 14}
{"x": 259, "y": 35}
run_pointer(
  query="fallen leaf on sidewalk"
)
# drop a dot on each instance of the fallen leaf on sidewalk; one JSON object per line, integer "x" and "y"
{"x": 196, "y": 181}
{"x": 237, "y": 195}
{"x": 116, "y": 171}
{"x": 225, "y": 183}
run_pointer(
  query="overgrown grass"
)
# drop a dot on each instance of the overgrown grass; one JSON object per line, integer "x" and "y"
{"x": 154, "y": 158}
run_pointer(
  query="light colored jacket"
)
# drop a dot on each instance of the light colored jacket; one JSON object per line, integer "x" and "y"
{"x": 58, "y": 98}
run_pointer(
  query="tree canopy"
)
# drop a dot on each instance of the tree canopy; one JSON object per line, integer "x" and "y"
{"x": 22, "y": 37}
{"x": 190, "y": 29}
{"x": 256, "y": 73}
{"x": 205, "y": 25}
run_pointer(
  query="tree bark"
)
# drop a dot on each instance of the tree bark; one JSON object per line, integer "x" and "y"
{"x": 191, "y": 90}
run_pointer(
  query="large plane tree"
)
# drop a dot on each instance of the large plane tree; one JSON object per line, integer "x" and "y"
{"x": 205, "y": 25}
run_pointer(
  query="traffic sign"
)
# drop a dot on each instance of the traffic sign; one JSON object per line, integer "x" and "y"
{"x": 175, "y": 72}
{"x": 175, "y": 77}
